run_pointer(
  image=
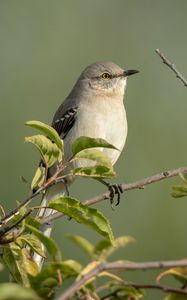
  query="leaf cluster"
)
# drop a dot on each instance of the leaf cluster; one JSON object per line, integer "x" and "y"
{"x": 21, "y": 236}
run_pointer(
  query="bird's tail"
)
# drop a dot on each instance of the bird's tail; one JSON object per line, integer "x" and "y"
{"x": 52, "y": 193}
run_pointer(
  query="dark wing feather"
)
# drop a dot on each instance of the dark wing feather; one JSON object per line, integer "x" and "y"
{"x": 63, "y": 124}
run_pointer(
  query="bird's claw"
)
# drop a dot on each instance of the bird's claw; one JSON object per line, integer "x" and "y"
{"x": 115, "y": 189}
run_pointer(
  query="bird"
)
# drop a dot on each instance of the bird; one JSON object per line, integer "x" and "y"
{"x": 93, "y": 108}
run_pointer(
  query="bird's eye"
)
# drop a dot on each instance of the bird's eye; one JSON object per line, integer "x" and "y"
{"x": 105, "y": 75}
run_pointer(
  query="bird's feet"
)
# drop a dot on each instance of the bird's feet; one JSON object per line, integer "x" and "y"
{"x": 115, "y": 189}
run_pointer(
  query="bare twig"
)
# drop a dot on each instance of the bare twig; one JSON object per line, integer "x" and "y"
{"x": 118, "y": 266}
{"x": 125, "y": 187}
{"x": 14, "y": 225}
{"x": 171, "y": 66}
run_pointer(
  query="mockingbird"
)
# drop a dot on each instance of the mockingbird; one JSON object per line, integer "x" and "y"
{"x": 94, "y": 108}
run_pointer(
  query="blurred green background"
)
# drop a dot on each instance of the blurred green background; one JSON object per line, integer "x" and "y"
{"x": 44, "y": 45}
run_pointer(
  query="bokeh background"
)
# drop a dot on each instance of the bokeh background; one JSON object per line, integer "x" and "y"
{"x": 44, "y": 45}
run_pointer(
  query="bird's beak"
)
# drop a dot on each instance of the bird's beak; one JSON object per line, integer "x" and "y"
{"x": 130, "y": 72}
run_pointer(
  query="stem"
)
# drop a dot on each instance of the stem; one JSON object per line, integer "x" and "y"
{"x": 125, "y": 187}
{"x": 119, "y": 266}
{"x": 172, "y": 67}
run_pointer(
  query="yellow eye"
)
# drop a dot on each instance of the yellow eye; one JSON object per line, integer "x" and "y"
{"x": 105, "y": 75}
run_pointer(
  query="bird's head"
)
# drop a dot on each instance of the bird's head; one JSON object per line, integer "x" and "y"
{"x": 106, "y": 77}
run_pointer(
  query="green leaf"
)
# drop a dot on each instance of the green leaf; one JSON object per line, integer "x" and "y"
{"x": 180, "y": 188}
{"x": 175, "y": 297}
{"x": 49, "y": 151}
{"x": 70, "y": 267}
{"x": 178, "y": 273}
{"x": 95, "y": 172}
{"x": 33, "y": 222}
{"x": 83, "y": 214}
{"x": 1, "y": 267}
{"x": 84, "y": 244}
{"x": 179, "y": 191}
{"x": 47, "y": 280}
{"x": 85, "y": 142}
{"x": 183, "y": 176}
{"x": 28, "y": 264}
{"x": 49, "y": 243}
{"x": 2, "y": 212}
{"x": 13, "y": 291}
{"x": 19, "y": 263}
{"x": 125, "y": 292}
{"x": 104, "y": 249}
{"x": 33, "y": 242}
{"x": 38, "y": 178}
{"x": 48, "y": 131}
{"x": 178, "y": 194}
{"x": 95, "y": 155}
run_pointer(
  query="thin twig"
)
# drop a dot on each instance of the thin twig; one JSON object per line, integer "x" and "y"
{"x": 52, "y": 181}
{"x": 15, "y": 212}
{"x": 7, "y": 229}
{"x": 119, "y": 266}
{"x": 4, "y": 240}
{"x": 172, "y": 67}
{"x": 125, "y": 187}
{"x": 164, "y": 288}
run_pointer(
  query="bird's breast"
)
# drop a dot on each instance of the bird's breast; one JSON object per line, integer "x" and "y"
{"x": 104, "y": 119}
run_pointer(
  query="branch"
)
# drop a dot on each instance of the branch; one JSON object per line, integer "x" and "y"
{"x": 14, "y": 237}
{"x": 51, "y": 181}
{"x": 125, "y": 187}
{"x": 119, "y": 266}
{"x": 172, "y": 67}
{"x": 7, "y": 229}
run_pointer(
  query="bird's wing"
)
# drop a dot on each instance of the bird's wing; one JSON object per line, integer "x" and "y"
{"x": 65, "y": 121}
